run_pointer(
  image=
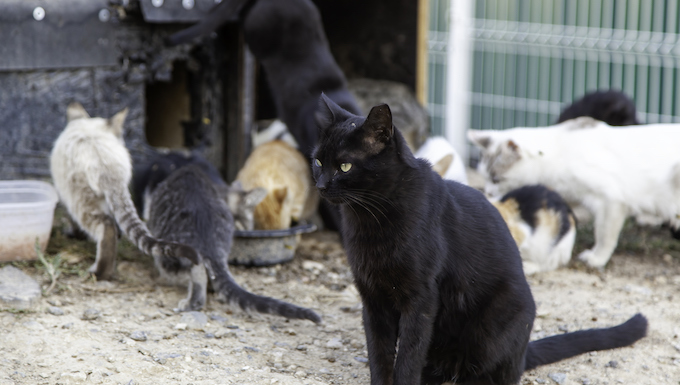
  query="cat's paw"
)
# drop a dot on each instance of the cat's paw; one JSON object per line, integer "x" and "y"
{"x": 530, "y": 268}
{"x": 594, "y": 260}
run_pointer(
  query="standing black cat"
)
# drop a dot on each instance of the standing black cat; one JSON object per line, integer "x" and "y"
{"x": 288, "y": 40}
{"x": 189, "y": 205}
{"x": 439, "y": 275}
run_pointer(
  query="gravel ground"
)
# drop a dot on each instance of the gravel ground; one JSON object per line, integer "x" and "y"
{"x": 125, "y": 331}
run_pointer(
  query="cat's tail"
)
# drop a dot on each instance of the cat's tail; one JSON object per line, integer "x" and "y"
{"x": 232, "y": 293}
{"x": 126, "y": 216}
{"x": 559, "y": 347}
{"x": 225, "y": 12}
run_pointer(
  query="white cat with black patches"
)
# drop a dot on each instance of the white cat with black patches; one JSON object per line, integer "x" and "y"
{"x": 542, "y": 225}
{"x": 91, "y": 169}
{"x": 614, "y": 172}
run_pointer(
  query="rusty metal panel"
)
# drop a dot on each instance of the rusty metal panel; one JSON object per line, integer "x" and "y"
{"x": 51, "y": 34}
{"x": 175, "y": 11}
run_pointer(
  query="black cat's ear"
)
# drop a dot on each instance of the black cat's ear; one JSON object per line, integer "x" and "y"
{"x": 324, "y": 115}
{"x": 379, "y": 124}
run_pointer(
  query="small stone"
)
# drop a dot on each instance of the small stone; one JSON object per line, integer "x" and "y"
{"x": 585, "y": 381}
{"x": 181, "y": 326}
{"x": 74, "y": 376}
{"x": 67, "y": 325}
{"x": 540, "y": 381}
{"x": 90, "y": 314}
{"x": 612, "y": 364}
{"x": 334, "y": 343}
{"x": 138, "y": 336}
{"x": 301, "y": 347}
{"x": 54, "y": 310}
{"x": 194, "y": 320}
{"x": 300, "y": 374}
{"x": 667, "y": 258}
{"x": 311, "y": 266}
{"x": 18, "y": 290}
{"x": 361, "y": 359}
{"x": 559, "y": 378}
{"x": 34, "y": 325}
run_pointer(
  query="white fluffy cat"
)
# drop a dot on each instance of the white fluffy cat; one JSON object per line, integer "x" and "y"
{"x": 444, "y": 158}
{"x": 614, "y": 172}
{"x": 91, "y": 169}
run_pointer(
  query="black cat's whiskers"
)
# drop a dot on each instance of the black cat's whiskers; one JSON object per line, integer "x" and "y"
{"x": 361, "y": 203}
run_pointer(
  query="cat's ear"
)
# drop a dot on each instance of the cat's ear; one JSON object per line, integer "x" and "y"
{"x": 281, "y": 193}
{"x": 479, "y": 138}
{"x": 378, "y": 124}
{"x": 254, "y": 196}
{"x": 512, "y": 146}
{"x": 324, "y": 116}
{"x": 116, "y": 122}
{"x": 75, "y": 111}
{"x": 442, "y": 166}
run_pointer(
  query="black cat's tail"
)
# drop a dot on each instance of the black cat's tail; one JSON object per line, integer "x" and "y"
{"x": 224, "y": 284}
{"x": 124, "y": 211}
{"x": 227, "y": 11}
{"x": 556, "y": 348}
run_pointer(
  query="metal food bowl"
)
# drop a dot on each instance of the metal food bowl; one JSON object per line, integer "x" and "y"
{"x": 267, "y": 247}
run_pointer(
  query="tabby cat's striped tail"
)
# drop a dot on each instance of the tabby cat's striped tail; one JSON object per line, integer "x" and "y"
{"x": 225, "y": 285}
{"x": 126, "y": 216}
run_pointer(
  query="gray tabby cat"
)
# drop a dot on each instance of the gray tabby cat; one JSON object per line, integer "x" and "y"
{"x": 189, "y": 207}
{"x": 91, "y": 169}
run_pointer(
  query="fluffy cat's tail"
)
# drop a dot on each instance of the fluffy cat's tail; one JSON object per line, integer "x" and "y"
{"x": 224, "y": 284}
{"x": 126, "y": 216}
{"x": 559, "y": 347}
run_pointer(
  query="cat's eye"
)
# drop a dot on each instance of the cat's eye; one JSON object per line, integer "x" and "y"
{"x": 317, "y": 163}
{"x": 345, "y": 167}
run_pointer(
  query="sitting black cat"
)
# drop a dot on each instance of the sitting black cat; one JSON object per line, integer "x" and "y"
{"x": 188, "y": 205}
{"x": 439, "y": 274}
{"x": 612, "y": 107}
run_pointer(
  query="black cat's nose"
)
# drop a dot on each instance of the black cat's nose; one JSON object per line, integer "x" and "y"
{"x": 321, "y": 183}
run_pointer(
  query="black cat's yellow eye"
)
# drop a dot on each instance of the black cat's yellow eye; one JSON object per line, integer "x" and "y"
{"x": 317, "y": 163}
{"x": 345, "y": 167}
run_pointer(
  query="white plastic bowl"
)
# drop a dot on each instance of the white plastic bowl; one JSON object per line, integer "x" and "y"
{"x": 26, "y": 213}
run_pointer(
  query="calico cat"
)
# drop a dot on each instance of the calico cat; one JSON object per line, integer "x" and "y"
{"x": 439, "y": 274}
{"x": 287, "y": 38}
{"x": 91, "y": 169}
{"x": 148, "y": 175}
{"x": 542, "y": 225}
{"x": 612, "y": 107}
{"x": 285, "y": 174}
{"x": 615, "y": 173}
{"x": 444, "y": 158}
{"x": 189, "y": 207}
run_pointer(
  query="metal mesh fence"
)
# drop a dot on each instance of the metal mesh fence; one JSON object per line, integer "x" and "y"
{"x": 531, "y": 58}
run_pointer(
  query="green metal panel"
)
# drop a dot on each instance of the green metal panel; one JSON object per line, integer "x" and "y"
{"x": 533, "y": 57}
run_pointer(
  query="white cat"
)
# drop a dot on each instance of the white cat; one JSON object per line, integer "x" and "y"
{"x": 614, "y": 172}
{"x": 91, "y": 169}
{"x": 444, "y": 159}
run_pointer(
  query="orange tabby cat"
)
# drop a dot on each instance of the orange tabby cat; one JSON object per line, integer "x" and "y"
{"x": 284, "y": 172}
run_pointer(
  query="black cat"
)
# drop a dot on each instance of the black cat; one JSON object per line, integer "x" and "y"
{"x": 189, "y": 205}
{"x": 439, "y": 275}
{"x": 287, "y": 38}
{"x": 612, "y": 107}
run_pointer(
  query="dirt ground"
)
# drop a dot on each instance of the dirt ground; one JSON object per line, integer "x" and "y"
{"x": 125, "y": 331}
